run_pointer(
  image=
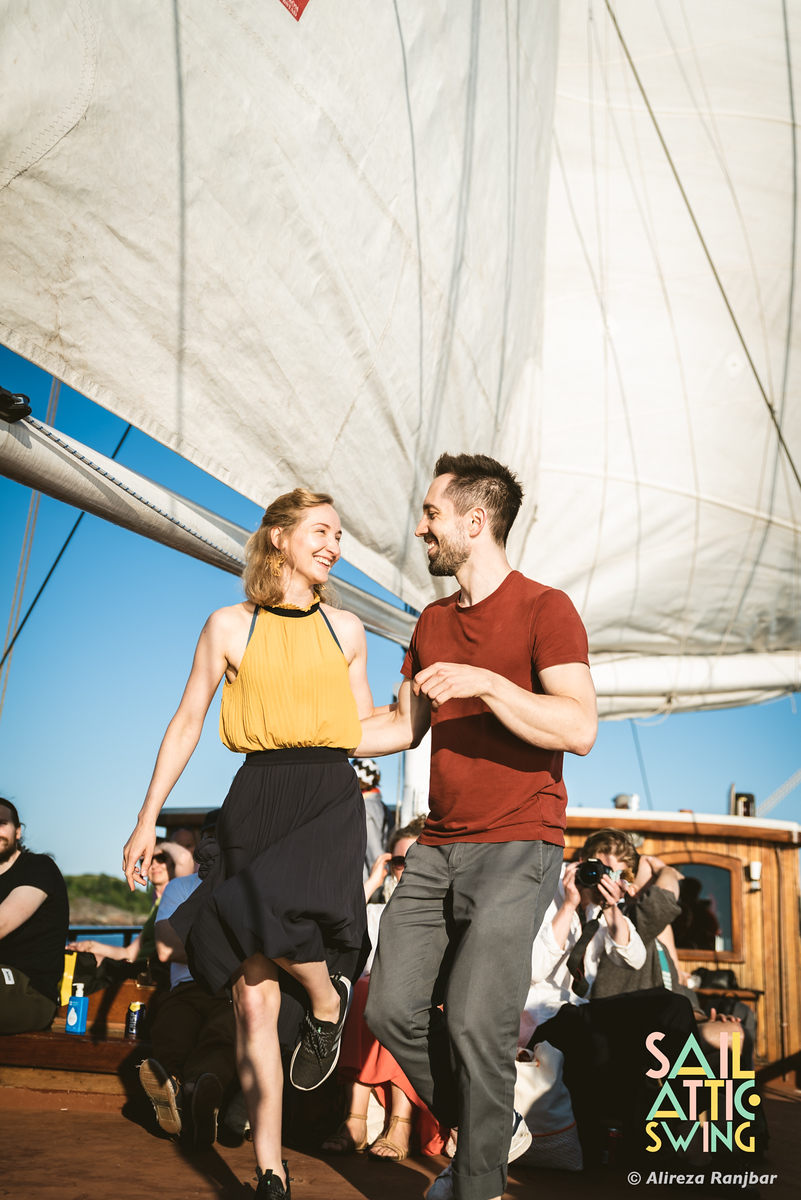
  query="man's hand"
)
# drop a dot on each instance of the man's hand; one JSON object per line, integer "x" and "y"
{"x": 562, "y": 717}
{"x": 451, "y": 681}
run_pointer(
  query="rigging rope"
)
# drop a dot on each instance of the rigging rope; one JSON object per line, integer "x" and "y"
{"x": 24, "y": 558}
{"x": 770, "y": 407}
{"x": 641, "y": 761}
{"x": 776, "y": 797}
{"x": 56, "y": 561}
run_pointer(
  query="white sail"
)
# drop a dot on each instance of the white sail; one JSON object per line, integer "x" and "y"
{"x": 666, "y": 500}
{"x": 293, "y": 251}
{"x": 317, "y": 252}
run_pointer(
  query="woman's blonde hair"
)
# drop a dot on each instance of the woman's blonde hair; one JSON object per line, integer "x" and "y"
{"x": 262, "y": 577}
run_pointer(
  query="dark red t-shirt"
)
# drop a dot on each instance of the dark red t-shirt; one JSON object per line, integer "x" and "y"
{"x": 487, "y": 785}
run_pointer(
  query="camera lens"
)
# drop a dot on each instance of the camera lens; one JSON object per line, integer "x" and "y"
{"x": 591, "y": 872}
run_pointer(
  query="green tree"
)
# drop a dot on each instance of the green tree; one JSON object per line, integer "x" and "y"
{"x": 108, "y": 889}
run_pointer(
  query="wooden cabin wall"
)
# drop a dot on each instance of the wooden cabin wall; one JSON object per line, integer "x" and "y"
{"x": 771, "y": 947}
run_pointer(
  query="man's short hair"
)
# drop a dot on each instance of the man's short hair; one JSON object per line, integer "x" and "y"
{"x": 612, "y": 841}
{"x": 481, "y": 482}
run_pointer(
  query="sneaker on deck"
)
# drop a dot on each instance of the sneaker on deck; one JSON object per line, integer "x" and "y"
{"x": 317, "y": 1052}
{"x": 206, "y": 1100}
{"x": 164, "y": 1094}
{"x": 442, "y": 1187}
{"x": 270, "y": 1186}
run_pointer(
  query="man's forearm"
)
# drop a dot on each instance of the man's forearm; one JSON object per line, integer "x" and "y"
{"x": 550, "y": 722}
{"x": 668, "y": 879}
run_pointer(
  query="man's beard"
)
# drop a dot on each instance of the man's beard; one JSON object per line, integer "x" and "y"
{"x": 451, "y": 554}
{"x": 8, "y": 849}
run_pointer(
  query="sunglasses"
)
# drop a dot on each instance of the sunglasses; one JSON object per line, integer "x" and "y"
{"x": 398, "y": 860}
{"x": 160, "y": 858}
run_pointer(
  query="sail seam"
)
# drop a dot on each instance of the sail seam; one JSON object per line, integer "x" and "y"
{"x": 48, "y": 433}
{"x": 660, "y": 485}
{"x": 48, "y": 137}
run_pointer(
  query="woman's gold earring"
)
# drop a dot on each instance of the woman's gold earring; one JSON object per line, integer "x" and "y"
{"x": 276, "y": 563}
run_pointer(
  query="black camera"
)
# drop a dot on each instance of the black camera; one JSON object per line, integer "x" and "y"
{"x": 591, "y": 871}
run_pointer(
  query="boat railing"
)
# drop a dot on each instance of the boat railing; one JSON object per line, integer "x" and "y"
{"x": 112, "y": 935}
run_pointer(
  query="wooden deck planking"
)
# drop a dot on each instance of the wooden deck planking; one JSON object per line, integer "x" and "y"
{"x": 91, "y": 1156}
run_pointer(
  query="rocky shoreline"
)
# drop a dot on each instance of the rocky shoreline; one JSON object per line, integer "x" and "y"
{"x": 91, "y": 912}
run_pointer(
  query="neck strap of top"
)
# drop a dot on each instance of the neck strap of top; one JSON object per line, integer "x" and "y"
{"x": 280, "y": 611}
{"x": 292, "y": 612}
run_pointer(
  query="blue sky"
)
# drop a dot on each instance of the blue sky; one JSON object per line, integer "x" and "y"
{"x": 100, "y": 667}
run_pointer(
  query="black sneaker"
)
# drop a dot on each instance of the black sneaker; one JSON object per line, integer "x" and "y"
{"x": 206, "y": 1100}
{"x": 270, "y": 1186}
{"x": 317, "y": 1052}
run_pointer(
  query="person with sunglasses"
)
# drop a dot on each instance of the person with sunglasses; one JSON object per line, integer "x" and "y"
{"x": 170, "y": 861}
{"x": 365, "y": 1066}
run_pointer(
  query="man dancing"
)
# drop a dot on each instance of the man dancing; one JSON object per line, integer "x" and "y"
{"x": 499, "y": 671}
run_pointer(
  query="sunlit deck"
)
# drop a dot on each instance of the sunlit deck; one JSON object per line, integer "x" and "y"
{"x": 53, "y": 1149}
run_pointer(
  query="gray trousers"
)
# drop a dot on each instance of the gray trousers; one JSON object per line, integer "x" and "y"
{"x": 458, "y": 932}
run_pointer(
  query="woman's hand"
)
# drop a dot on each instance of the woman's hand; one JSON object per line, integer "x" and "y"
{"x": 137, "y": 854}
{"x": 377, "y": 875}
{"x": 99, "y": 950}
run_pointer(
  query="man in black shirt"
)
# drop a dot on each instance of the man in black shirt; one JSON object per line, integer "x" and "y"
{"x": 34, "y": 922}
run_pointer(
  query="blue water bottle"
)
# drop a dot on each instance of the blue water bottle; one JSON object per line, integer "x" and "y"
{"x": 77, "y": 1010}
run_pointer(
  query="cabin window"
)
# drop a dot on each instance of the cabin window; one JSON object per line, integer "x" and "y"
{"x": 705, "y": 922}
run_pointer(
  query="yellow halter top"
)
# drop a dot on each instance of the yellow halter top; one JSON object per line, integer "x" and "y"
{"x": 292, "y": 688}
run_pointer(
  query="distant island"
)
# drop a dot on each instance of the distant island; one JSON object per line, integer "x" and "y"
{"x": 105, "y": 900}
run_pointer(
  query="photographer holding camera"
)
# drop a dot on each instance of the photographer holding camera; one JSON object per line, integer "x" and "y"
{"x": 582, "y": 925}
{"x": 610, "y": 1032}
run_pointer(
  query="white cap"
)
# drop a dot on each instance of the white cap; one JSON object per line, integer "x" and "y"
{"x": 78, "y": 989}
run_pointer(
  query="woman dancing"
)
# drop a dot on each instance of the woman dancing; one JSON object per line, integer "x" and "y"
{"x": 282, "y": 885}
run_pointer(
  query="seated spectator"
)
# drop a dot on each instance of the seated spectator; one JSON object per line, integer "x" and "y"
{"x": 186, "y": 837}
{"x": 605, "y": 1039}
{"x": 169, "y": 862}
{"x": 34, "y": 922}
{"x": 375, "y": 811}
{"x": 366, "y": 1066}
{"x": 655, "y": 905}
{"x": 573, "y": 910}
{"x": 193, "y": 1035}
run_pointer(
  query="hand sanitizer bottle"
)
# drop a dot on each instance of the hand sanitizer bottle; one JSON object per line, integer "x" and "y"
{"x": 77, "y": 1010}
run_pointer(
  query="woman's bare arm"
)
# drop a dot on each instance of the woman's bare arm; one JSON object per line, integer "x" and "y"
{"x": 181, "y": 738}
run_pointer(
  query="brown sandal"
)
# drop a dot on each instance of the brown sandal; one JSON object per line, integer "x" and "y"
{"x": 342, "y": 1141}
{"x": 398, "y": 1153}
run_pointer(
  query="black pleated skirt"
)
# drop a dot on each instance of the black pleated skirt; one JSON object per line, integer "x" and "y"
{"x": 283, "y": 875}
